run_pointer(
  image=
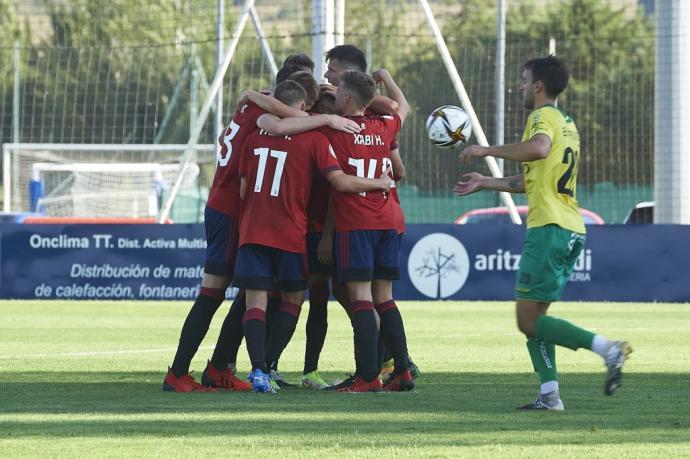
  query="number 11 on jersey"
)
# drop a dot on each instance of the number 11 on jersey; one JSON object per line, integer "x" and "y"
{"x": 263, "y": 154}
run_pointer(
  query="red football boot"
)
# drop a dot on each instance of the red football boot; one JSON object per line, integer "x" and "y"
{"x": 400, "y": 383}
{"x": 360, "y": 385}
{"x": 184, "y": 383}
{"x": 223, "y": 379}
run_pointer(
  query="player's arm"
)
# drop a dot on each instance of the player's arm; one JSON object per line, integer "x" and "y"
{"x": 324, "y": 251}
{"x": 398, "y": 165}
{"x": 243, "y": 188}
{"x": 277, "y": 126}
{"x": 473, "y": 182}
{"x": 345, "y": 183}
{"x": 394, "y": 92}
{"x": 384, "y": 105}
{"x": 271, "y": 104}
{"x": 531, "y": 150}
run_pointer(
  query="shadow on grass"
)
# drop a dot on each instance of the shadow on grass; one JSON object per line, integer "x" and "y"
{"x": 437, "y": 394}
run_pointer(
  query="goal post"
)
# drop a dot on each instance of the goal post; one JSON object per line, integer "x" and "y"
{"x": 96, "y": 180}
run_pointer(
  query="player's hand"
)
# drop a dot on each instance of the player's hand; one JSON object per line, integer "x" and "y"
{"x": 328, "y": 88}
{"x": 473, "y": 151}
{"x": 380, "y": 75}
{"x": 386, "y": 180}
{"x": 340, "y": 123}
{"x": 244, "y": 98}
{"x": 324, "y": 251}
{"x": 469, "y": 183}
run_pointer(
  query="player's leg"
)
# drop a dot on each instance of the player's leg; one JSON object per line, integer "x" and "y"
{"x": 316, "y": 328}
{"x": 220, "y": 370}
{"x": 216, "y": 279}
{"x": 317, "y": 320}
{"x": 254, "y": 273}
{"x": 386, "y": 270}
{"x": 548, "y": 259}
{"x": 543, "y": 357}
{"x": 355, "y": 261}
{"x": 292, "y": 278}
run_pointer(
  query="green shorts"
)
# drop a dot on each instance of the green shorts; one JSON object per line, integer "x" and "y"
{"x": 548, "y": 257}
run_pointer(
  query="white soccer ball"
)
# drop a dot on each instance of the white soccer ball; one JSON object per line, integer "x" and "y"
{"x": 448, "y": 126}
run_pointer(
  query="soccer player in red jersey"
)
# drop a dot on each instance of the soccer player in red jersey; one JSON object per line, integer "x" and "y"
{"x": 221, "y": 222}
{"x": 366, "y": 242}
{"x": 277, "y": 176}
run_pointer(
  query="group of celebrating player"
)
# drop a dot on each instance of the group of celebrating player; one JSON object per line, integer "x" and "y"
{"x": 304, "y": 192}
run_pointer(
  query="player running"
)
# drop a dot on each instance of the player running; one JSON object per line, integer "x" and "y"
{"x": 550, "y": 157}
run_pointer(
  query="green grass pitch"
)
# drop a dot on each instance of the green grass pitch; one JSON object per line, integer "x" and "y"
{"x": 84, "y": 379}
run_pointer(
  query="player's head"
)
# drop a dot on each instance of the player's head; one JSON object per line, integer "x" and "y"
{"x": 300, "y": 60}
{"x": 291, "y": 93}
{"x": 355, "y": 91}
{"x": 544, "y": 77}
{"x": 325, "y": 104}
{"x": 307, "y": 81}
{"x": 341, "y": 58}
{"x": 285, "y": 72}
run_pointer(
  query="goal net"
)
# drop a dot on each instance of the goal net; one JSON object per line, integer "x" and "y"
{"x": 96, "y": 181}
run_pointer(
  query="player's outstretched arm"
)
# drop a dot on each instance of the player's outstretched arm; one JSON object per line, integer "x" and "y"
{"x": 473, "y": 182}
{"x": 352, "y": 184}
{"x": 531, "y": 150}
{"x": 287, "y": 126}
{"x": 271, "y": 104}
{"x": 394, "y": 92}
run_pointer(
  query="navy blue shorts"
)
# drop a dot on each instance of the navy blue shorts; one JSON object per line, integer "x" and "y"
{"x": 315, "y": 266}
{"x": 365, "y": 255}
{"x": 222, "y": 236}
{"x": 258, "y": 266}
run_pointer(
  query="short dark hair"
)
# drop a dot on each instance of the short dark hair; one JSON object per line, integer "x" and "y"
{"x": 290, "y": 92}
{"x": 300, "y": 60}
{"x": 325, "y": 104}
{"x": 350, "y": 55}
{"x": 285, "y": 72}
{"x": 307, "y": 81}
{"x": 360, "y": 85}
{"x": 551, "y": 71}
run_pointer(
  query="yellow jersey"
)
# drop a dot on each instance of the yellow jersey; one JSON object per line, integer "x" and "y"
{"x": 550, "y": 183}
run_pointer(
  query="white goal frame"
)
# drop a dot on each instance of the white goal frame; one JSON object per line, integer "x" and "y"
{"x": 10, "y": 166}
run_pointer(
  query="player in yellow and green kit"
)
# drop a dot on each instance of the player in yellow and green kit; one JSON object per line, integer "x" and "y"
{"x": 550, "y": 157}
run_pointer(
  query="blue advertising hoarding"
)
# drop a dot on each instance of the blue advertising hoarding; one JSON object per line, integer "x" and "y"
{"x": 454, "y": 262}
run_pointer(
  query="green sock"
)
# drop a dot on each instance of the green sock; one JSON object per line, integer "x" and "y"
{"x": 543, "y": 357}
{"x": 562, "y": 332}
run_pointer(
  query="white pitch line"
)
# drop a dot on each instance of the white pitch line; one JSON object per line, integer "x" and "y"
{"x": 93, "y": 354}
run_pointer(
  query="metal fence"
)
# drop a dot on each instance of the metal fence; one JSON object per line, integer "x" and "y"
{"x": 136, "y": 72}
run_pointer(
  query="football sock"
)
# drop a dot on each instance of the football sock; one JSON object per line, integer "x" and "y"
{"x": 281, "y": 332}
{"x": 548, "y": 387}
{"x": 562, "y": 333}
{"x": 195, "y": 327}
{"x": 272, "y": 309}
{"x": 393, "y": 332}
{"x": 254, "y": 325}
{"x": 601, "y": 345}
{"x": 381, "y": 351}
{"x": 317, "y": 325}
{"x": 231, "y": 334}
{"x": 366, "y": 338}
{"x": 543, "y": 356}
